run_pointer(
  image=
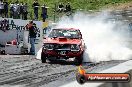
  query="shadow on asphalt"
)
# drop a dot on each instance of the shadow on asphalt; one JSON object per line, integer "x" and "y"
{"x": 62, "y": 62}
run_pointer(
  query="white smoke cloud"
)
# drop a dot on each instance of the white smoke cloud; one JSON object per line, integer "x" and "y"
{"x": 103, "y": 40}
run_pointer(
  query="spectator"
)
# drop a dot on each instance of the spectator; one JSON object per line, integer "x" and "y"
{"x": 60, "y": 7}
{"x": 1, "y": 8}
{"x": 5, "y": 8}
{"x": 25, "y": 11}
{"x": 16, "y": 10}
{"x": 68, "y": 7}
{"x": 21, "y": 10}
{"x": 11, "y": 10}
{"x": 32, "y": 35}
{"x": 35, "y": 6}
{"x": 44, "y": 12}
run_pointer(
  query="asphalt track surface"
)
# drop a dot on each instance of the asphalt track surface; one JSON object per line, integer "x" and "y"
{"x": 26, "y": 71}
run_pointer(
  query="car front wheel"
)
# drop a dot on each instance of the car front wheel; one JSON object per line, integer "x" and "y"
{"x": 43, "y": 58}
{"x": 78, "y": 60}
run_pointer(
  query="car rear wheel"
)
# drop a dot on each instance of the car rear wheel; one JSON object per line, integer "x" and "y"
{"x": 43, "y": 58}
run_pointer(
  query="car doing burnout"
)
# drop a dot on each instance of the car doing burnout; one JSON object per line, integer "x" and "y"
{"x": 62, "y": 44}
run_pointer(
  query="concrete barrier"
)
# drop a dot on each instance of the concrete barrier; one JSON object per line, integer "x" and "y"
{"x": 125, "y": 67}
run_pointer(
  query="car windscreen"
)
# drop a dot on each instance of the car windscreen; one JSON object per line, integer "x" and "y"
{"x": 71, "y": 34}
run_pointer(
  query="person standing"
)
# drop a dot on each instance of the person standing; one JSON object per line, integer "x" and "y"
{"x": 60, "y": 7}
{"x": 21, "y": 10}
{"x": 1, "y": 8}
{"x": 5, "y": 8}
{"x": 44, "y": 12}
{"x": 35, "y": 6}
{"x": 25, "y": 11}
{"x": 32, "y": 35}
{"x": 16, "y": 8}
{"x": 68, "y": 7}
{"x": 11, "y": 10}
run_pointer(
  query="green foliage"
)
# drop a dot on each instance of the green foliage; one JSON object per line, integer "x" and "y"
{"x": 76, "y": 4}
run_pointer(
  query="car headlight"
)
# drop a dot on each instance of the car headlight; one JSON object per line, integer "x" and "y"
{"x": 48, "y": 46}
{"x": 75, "y": 47}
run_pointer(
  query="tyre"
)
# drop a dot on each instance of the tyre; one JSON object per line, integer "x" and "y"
{"x": 78, "y": 60}
{"x": 43, "y": 58}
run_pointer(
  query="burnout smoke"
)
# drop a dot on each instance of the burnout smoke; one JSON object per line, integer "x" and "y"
{"x": 104, "y": 42}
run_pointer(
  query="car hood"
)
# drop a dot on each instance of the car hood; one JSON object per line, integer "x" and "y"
{"x": 62, "y": 40}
